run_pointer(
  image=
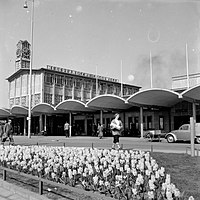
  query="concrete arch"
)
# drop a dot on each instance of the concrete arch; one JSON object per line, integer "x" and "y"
{"x": 155, "y": 97}
{"x": 108, "y": 101}
{"x": 192, "y": 93}
{"x": 72, "y": 105}
{"x": 5, "y": 113}
{"x": 43, "y": 108}
{"x": 19, "y": 110}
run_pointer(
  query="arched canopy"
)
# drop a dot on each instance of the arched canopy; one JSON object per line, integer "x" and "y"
{"x": 155, "y": 97}
{"x": 4, "y": 113}
{"x": 108, "y": 101}
{"x": 43, "y": 108}
{"x": 19, "y": 110}
{"x": 192, "y": 93}
{"x": 72, "y": 105}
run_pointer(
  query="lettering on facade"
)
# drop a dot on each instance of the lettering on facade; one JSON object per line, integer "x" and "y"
{"x": 60, "y": 69}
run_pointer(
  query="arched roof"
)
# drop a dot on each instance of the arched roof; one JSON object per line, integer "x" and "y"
{"x": 192, "y": 93}
{"x": 155, "y": 97}
{"x": 43, "y": 108}
{"x": 19, "y": 110}
{"x": 72, "y": 105}
{"x": 4, "y": 112}
{"x": 108, "y": 101}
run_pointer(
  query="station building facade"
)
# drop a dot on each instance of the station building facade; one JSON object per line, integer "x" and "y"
{"x": 52, "y": 85}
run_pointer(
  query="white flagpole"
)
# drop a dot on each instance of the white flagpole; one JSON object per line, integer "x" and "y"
{"x": 121, "y": 81}
{"x": 96, "y": 82}
{"x": 151, "y": 70}
{"x": 187, "y": 65}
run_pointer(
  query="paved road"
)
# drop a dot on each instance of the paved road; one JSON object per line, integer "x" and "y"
{"x": 106, "y": 142}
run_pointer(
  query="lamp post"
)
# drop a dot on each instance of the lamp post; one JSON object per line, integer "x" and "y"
{"x": 30, "y": 68}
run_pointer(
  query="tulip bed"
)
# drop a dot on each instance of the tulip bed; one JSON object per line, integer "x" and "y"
{"x": 121, "y": 174}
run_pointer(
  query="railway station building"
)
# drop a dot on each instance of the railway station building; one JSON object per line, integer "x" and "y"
{"x": 83, "y": 99}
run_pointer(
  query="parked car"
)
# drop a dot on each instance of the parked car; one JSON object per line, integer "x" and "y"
{"x": 183, "y": 133}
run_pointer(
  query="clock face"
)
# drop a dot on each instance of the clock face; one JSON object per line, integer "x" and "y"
{"x": 26, "y": 52}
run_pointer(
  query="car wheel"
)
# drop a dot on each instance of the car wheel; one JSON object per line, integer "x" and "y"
{"x": 198, "y": 140}
{"x": 170, "y": 139}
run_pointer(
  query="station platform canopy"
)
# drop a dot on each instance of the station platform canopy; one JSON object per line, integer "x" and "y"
{"x": 19, "y": 110}
{"x": 108, "y": 102}
{"x": 71, "y": 105}
{"x": 155, "y": 97}
{"x": 192, "y": 93}
{"x": 5, "y": 113}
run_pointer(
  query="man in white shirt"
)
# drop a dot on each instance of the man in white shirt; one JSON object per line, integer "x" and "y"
{"x": 66, "y": 129}
{"x": 116, "y": 127}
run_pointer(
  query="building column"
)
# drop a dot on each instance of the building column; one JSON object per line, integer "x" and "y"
{"x": 141, "y": 122}
{"x": 82, "y": 92}
{"x": 24, "y": 126}
{"x": 64, "y": 93}
{"x": 42, "y": 88}
{"x": 73, "y": 90}
{"x": 45, "y": 123}
{"x": 40, "y": 124}
{"x": 101, "y": 117}
{"x": 70, "y": 124}
{"x": 194, "y": 111}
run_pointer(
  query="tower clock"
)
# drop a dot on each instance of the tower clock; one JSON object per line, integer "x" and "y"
{"x": 23, "y": 54}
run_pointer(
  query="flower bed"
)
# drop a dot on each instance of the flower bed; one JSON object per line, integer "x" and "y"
{"x": 119, "y": 174}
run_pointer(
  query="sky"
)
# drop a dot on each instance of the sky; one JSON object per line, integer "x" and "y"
{"x": 111, "y": 37}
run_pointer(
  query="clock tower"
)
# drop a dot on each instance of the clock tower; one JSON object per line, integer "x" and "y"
{"x": 23, "y": 54}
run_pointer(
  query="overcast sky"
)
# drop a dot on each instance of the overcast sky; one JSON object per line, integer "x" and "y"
{"x": 83, "y": 34}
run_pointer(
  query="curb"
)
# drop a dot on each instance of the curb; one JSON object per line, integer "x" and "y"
{"x": 21, "y": 192}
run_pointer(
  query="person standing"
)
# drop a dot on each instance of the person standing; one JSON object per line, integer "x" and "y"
{"x": 8, "y": 133}
{"x": 116, "y": 128}
{"x": 100, "y": 130}
{"x": 66, "y": 129}
{"x": 1, "y": 130}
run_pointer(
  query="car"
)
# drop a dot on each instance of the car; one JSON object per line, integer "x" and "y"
{"x": 183, "y": 134}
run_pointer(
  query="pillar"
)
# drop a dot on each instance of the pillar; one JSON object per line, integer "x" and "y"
{"x": 141, "y": 122}
{"x": 24, "y": 126}
{"x": 70, "y": 124}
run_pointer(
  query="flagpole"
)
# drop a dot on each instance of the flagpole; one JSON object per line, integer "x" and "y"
{"x": 151, "y": 70}
{"x": 187, "y": 65}
{"x": 121, "y": 81}
{"x": 96, "y": 82}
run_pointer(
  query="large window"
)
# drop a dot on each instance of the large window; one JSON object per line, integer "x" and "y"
{"x": 48, "y": 78}
{"x": 58, "y": 80}
{"x": 68, "y": 81}
{"x": 161, "y": 122}
{"x": 149, "y": 122}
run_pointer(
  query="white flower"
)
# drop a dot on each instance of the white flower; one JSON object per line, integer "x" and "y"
{"x": 150, "y": 195}
{"x": 134, "y": 191}
{"x": 191, "y": 198}
{"x": 95, "y": 179}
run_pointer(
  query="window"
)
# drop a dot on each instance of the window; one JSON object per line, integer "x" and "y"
{"x": 59, "y": 80}
{"x": 48, "y": 78}
{"x": 149, "y": 122}
{"x": 68, "y": 81}
{"x": 161, "y": 122}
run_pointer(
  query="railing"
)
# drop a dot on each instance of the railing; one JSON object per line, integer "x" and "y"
{"x": 41, "y": 181}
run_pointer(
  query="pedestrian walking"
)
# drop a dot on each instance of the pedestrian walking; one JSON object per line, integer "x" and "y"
{"x": 66, "y": 129}
{"x": 116, "y": 128}
{"x": 1, "y": 130}
{"x": 8, "y": 133}
{"x": 100, "y": 130}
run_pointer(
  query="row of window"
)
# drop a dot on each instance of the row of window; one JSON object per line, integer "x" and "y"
{"x": 87, "y": 84}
